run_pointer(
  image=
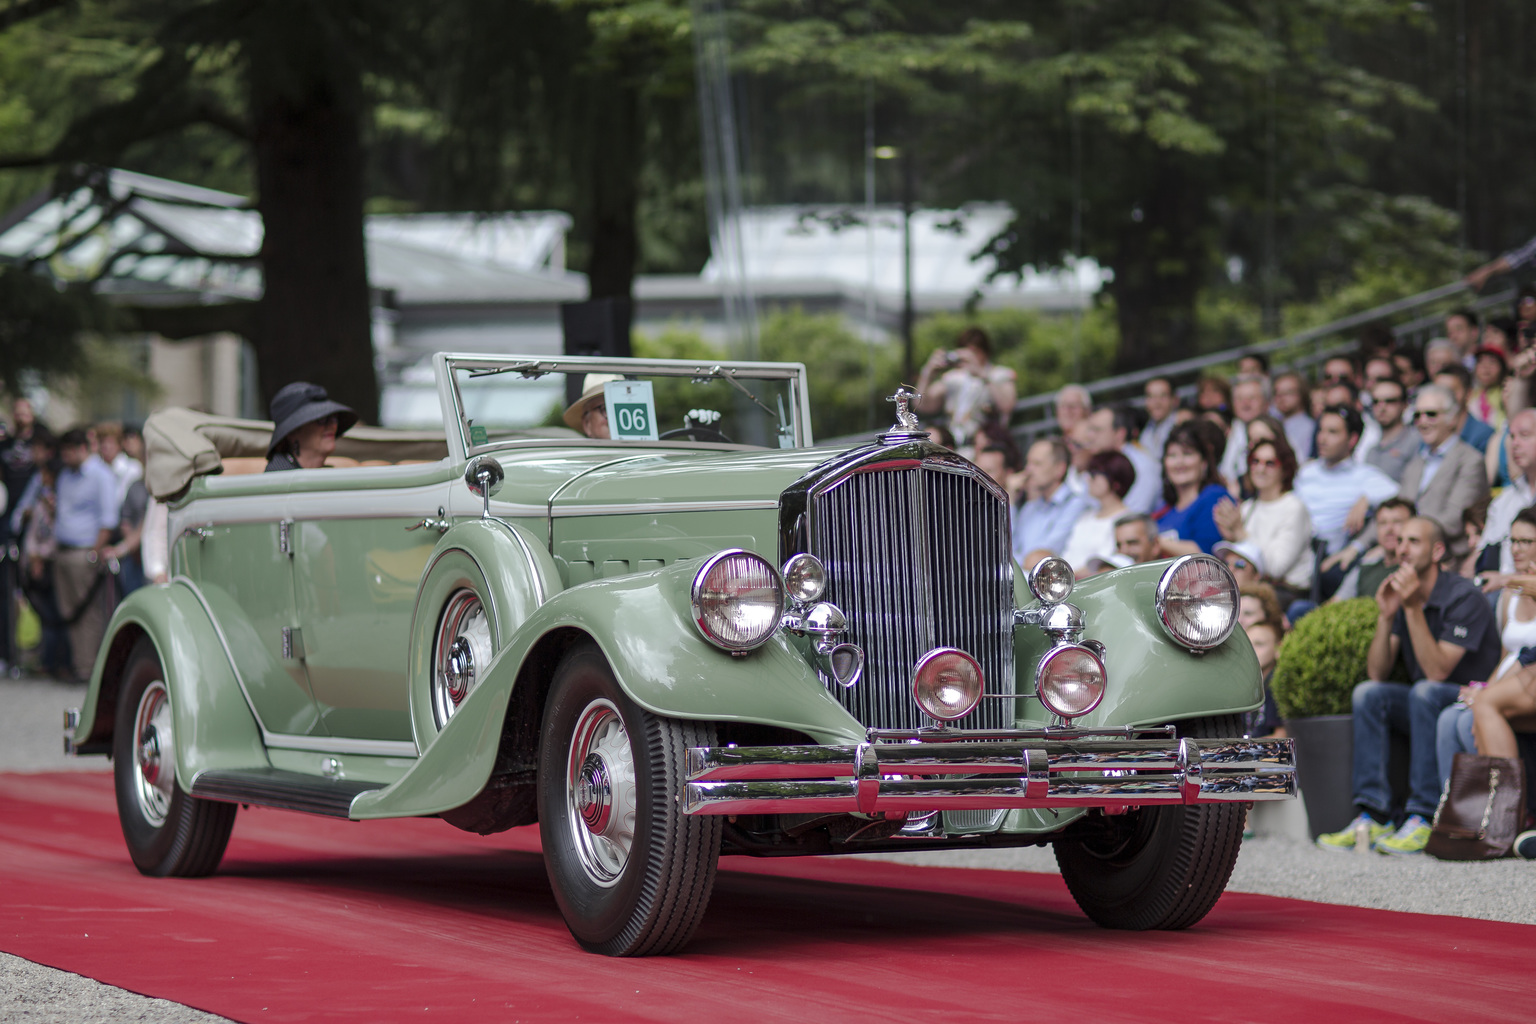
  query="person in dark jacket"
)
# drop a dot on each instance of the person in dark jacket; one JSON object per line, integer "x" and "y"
{"x": 306, "y": 424}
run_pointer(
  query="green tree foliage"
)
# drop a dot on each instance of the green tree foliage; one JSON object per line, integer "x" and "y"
{"x": 40, "y": 326}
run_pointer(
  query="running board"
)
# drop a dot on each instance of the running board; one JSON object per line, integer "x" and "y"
{"x": 273, "y": 787}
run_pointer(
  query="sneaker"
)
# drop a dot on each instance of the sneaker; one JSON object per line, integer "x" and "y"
{"x": 1525, "y": 845}
{"x": 1411, "y": 838}
{"x": 1344, "y": 839}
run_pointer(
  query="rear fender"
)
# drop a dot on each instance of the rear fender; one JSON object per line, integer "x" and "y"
{"x": 215, "y": 727}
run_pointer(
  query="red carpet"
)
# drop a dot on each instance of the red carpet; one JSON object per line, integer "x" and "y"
{"x": 314, "y": 919}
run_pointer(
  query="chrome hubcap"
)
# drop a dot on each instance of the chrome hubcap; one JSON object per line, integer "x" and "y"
{"x": 601, "y": 798}
{"x": 461, "y": 651}
{"x": 154, "y": 763}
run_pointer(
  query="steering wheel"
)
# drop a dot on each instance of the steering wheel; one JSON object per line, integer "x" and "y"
{"x": 709, "y": 434}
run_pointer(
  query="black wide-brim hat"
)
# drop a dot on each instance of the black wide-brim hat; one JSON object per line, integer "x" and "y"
{"x": 301, "y": 402}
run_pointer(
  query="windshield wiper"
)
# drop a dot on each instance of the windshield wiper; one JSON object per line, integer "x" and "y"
{"x": 531, "y": 371}
{"x": 729, "y": 376}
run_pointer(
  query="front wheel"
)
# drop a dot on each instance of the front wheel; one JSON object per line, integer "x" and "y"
{"x": 1157, "y": 867}
{"x": 632, "y": 874}
{"x": 168, "y": 832}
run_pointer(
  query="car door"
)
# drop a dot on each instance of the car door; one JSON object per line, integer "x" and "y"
{"x": 246, "y": 578}
{"x": 357, "y": 563}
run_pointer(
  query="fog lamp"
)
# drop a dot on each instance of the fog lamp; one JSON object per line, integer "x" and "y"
{"x": 737, "y": 600}
{"x": 947, "y": 684}
{"x": 1070, "y": 680}
{"x": 805, "y": 578}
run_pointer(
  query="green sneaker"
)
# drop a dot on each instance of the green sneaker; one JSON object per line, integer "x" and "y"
{"x": 1411, "y": 838}
{"x": 1344, "y": 839}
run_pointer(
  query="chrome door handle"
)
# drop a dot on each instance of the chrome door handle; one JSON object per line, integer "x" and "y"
{"x": 440, "y": 524}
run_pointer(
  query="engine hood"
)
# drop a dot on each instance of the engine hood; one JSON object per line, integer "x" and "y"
{"x": 677, "y": 481}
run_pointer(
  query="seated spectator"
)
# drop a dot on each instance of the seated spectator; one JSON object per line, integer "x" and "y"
{"x": 1254, "y": 363}
{"x": 1136, "y": 539}
{"x": 1497, "y": 559}
{"x": 1444, "y": 478}
{"x": 1486, "y": 400}
{"x": 1367, "y": 574}
{"x": 1391, "y": 444}
{"x": 998, "y": 456}
{"x": 1473, "y": 520}
{"x": 1190, "y": 493}
{"x": 1501, "y": 334}
{"x": 1463, "y": 330}
{"x": 1073, "y": 404}
{"x": 1093, "y": 535}
{"x": 1377, "y": 368}
{"x": 1340, "y": 370}
{"x": 1338, "y": 491}
{"x": 1161, "y": 406}
{"x": 1110, "y": 429}
{"x": 1409, "y": 363}
{"x": 1275, "y": 519}
{"x": 1250, "y": 400}
{"x": 1265, "y": 636}
{"x": 1456, "y": 380}
{"x": 938, "y": 433}
{"x": 1443, "y": 631}
{"x": 1221, "y": 421}
{"x": 1340, "y": 392}
{"x": 1291, "y": 403}
{"x": 1439, "y": 354}
{"x": 1265, "y": 428}
{"x": 1243, "y": 558}
{"x": 1212, "y": 392}
{"x": 1042, "y": 524}
{"x": 1256, "y": 602}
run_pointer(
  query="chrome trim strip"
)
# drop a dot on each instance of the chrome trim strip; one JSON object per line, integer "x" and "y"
{"x": 874, "y": 778}
{"x": 662, "y": 507}
{"x": 339, "y": 745}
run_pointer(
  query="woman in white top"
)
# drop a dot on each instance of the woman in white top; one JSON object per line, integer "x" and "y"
{"x": 1509, "y": 695}
{"x": 1275, "y": 518}
{"x": 1110, "y": 476}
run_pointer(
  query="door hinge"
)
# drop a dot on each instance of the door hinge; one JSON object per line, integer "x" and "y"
{"x": 285, "y": 536}
{"x": 293, "y": 643}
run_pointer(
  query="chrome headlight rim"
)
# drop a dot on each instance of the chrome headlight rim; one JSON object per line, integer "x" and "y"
{"x": 700, "y": 619}
{"x": 1058, "y": 651}
{"x": 947, "y": 652}
{"x": 1045, "y": 568}
{"x": 1160, "y": 601}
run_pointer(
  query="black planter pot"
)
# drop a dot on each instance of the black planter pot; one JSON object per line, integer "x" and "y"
{"x": 1325, "y": 748}
{"x": 1325, "y": 751}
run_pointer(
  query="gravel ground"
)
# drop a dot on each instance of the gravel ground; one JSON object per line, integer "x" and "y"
{"x": 1278, "y": 862}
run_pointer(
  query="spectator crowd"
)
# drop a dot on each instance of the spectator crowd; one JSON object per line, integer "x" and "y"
{"x": 70, "y": 540}
{"x": 1397, "y": 473}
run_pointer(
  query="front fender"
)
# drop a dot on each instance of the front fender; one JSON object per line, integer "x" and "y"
{"x": 215, "y": 727}
{"x": 642, "y": 624}
{"x": 1151, "y": 679}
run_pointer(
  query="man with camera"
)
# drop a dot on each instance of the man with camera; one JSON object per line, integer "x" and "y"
{"x": 972, "y": 391}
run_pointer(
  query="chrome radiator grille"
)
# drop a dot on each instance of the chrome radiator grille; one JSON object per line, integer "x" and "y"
{"x": 917, "y": 557}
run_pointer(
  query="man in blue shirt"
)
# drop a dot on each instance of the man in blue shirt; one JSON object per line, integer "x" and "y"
{"x": 1042, "y": 524}
{"x": 1458, "y": 382}
{"x": 86, "y": 515}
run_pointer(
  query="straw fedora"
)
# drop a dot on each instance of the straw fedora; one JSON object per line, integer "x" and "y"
{"x": 591, "y": 390}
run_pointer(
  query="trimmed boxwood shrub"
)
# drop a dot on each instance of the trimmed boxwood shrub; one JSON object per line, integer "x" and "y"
{"x": 1323, "y": 658}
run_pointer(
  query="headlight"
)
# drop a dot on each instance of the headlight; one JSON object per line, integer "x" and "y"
{"x": 1051, "y": 580}
{"x": 1070, "y": 680}
{"x": 947, "y": 684}
{"x": 737, "y": 600}
{"x": 805, "y": 578}
{"x": 1197, "y": 602}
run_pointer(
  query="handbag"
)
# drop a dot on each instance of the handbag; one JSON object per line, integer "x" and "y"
{"x": 1481, "y": 809}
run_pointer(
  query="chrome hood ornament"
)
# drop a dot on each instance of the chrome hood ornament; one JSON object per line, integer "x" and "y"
{"x": 906, "y": 420}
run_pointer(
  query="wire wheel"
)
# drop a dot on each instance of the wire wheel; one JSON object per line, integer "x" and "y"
{"x": 461, "y": 651}
{"x": 154, "y": 754}
{"x": 600, "y": 792}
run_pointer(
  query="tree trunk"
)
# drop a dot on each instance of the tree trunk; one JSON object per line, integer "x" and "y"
{"x": 614, "y": 180}
{"x": 314, "y": 318}
{"x": 1161, "y": 258}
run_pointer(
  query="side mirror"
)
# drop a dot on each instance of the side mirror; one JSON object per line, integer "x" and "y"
{"x": 484, "y": 477}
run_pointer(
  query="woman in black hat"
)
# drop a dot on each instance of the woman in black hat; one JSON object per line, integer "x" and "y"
{"x": 305, "y": 426}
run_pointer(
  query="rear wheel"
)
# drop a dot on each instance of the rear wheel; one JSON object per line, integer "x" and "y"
{"x": 167, "y": 831}
{"x": 632, "y": 874}
{"x": 1158, "y": 867}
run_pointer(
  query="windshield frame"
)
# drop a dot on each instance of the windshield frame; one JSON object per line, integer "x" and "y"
{"x": 456, "y": 423}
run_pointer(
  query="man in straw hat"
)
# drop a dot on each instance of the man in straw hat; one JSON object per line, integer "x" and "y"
{"x": 589, "y": 413}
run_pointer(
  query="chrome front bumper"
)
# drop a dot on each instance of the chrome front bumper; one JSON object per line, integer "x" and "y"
{"x": 949, "y": 770}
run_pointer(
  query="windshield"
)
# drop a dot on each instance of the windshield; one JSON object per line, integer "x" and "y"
{"x": 628, "y": 400}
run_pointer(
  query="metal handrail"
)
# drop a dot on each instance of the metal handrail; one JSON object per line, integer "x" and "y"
{"x": 1194, "y": 365}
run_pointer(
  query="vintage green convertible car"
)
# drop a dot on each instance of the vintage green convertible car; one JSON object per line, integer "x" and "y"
{"x": 710, "y": 639}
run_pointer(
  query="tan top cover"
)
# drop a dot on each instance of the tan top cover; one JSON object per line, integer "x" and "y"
{"x": 182, "y": 444}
